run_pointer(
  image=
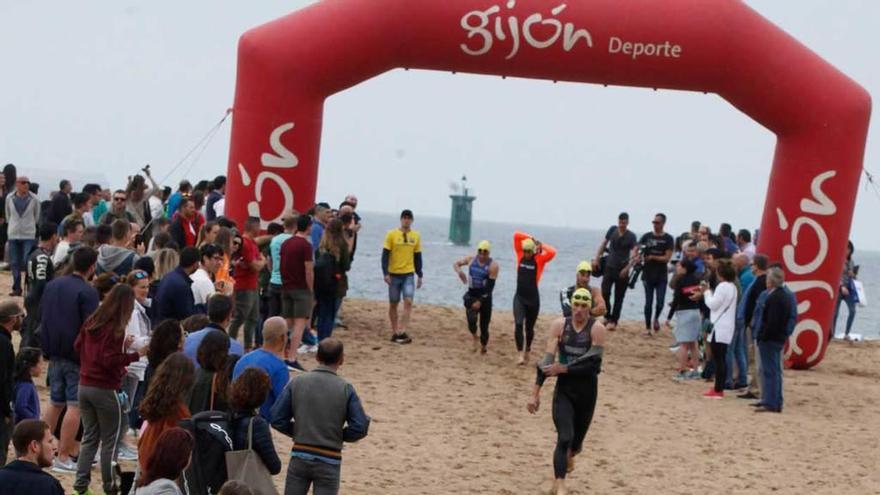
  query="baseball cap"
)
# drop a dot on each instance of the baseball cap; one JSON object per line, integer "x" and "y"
{"x": 528, "y": 245}
{"x": 22, "y": 179}
{"x": 585, "y": 266}
{"x": 9, "y": 309}
{"x": 582, "y": 296}
{"x": 484, "y": 246}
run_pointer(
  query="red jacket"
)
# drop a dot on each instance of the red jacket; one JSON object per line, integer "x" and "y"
{"x": 102, "y": 360}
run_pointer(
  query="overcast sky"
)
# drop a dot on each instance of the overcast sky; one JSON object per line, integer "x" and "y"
{"x": 106, "y": 86}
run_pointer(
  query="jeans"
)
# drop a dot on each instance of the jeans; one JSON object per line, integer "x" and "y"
{"x": 18, "y": 253}
{"x": 851, "y": 312}
{"x": 102, "y": 424}
{"x": 302, "y": 473}
{"x": 771, "y": 370}
{"x": 326, "y": 316}
{"x": 737, "y": 352}
{"x": 610, "y": 278}
{"x": 247, "y": 312}
{"x": 652, "y": 288}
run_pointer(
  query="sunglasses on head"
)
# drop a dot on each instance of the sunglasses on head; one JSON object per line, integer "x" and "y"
{"x": 139, "y": 275}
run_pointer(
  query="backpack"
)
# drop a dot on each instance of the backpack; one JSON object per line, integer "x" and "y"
{"x": 207, "y": 471}
{"x": 326, "y": 276}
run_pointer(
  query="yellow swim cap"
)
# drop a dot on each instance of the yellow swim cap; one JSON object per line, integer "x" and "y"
{"x": 484, "y": 246}
{"x": 528, "y": 245}
{"x": 582, "y": 296}
{"x": 585, "y": 266}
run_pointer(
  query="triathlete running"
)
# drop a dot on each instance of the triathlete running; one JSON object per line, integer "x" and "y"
{"x": 574, "y": 356}
{"x": 582, "y": 281}
{"x": 480, "y": 279}
{"x": 531, "y": 256}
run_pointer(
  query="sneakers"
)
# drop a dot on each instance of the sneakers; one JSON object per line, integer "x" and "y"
{"x": 307, "y": 349}
{"x": 127, "y": 453}
{"x": 294, "y": 366}
{"x": 712, "y": 394}
{"x": 60, "y": 466}
{"x": 400, "y": 338}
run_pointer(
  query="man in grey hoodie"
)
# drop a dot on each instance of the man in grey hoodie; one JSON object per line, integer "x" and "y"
{"x": 117, "y": 256}
{"x": 22, "y": 214}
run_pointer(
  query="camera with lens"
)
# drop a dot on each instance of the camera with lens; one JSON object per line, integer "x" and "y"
{"x": 638, "y": 266}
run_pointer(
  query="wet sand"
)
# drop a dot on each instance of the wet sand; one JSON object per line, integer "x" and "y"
{"x": 446, "y": 420}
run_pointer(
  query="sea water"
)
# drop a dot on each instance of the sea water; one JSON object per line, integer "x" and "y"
{"x": 443, "y": 287}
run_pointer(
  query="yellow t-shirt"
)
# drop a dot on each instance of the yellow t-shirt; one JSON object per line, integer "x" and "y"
{"x": 401, "y": 261}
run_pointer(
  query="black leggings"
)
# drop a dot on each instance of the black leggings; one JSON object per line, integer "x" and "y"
{"x": 524, "y": 312}
{"x": 484, "y": 315}
{"x": 653, "y": 287}
{"x": 574, "y": 401}
{"x": 719, "y": 357}
{"x": 612, "y": 277}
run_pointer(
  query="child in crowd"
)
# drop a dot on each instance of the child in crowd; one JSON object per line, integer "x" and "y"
{"x": 28, "y": 365}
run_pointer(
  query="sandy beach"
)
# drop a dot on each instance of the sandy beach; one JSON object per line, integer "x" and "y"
{"x": 446, "y": 420}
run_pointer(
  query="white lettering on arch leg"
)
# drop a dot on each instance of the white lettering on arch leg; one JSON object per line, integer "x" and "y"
{"x": 822, "y": 204}
{"x": 283, "y": 157}
{"x": 788, "y": 251}
{"x": 254, "y": 206}
{"x": 806, "y": 326}
{"x": 802, "y": 285}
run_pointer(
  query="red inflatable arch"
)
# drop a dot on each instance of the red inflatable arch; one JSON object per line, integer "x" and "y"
{"x": 288, "y": 67}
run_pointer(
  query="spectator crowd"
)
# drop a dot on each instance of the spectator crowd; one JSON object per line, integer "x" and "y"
{"x": 159, "y": 322}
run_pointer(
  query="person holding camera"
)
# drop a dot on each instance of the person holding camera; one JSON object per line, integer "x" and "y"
{"x": 621, "y": 244}
{"x": 656, "y": 248}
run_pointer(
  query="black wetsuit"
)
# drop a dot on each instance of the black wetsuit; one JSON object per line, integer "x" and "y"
{"x": 526, "y": 303}
{"x": 574, "y": 398}
{"x": 479, "y": 289}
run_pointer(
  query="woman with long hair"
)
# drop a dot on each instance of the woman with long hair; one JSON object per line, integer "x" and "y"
{"x": 165, "y": 403}
{"x": 163, "y": 468}
{"x": 331, "y": 264}
{"x": 248, "y": 393}
{"x": 688, "y": 322}
{"x": 166, "y": 260}
{"x": 211, "y": 355}
{"x": 208, "y": 233}
{"x": 722, "y": 317}
{"x": 166, "y": 339}
{"x": 138, "y": 327}
{"x": 102, "y": 344}
{"x": 846, "y": 293}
